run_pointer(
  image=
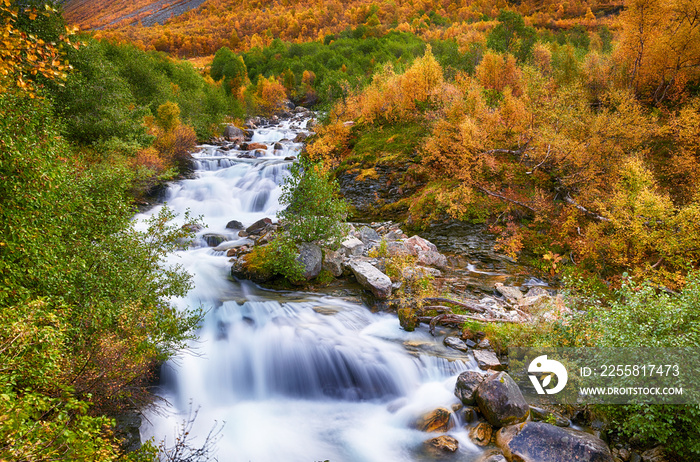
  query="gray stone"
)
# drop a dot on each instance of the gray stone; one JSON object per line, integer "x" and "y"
{"x": 512, "y": 293}
{"x": 333, "y": 262}
{"x": 352, "y": 246}
{"x": 368, "y": 235}
{"x": 233, "y": 133}
{"x": 431, "y": 258}
{"x": 234, "y": 224}
{"x": 487, "y": 360}
{"x": 467, "y": 383}
{"x": 542, "y": 442}
{"x": 311, "y": 257}
{"x": 501, "y": 401}
{"x": 536, "y": 291}
{"x": 455, "y": 343}
{"x": 416, "y": 244}
{"x": 470, "y": 343}
{"x": 371, "y": 278}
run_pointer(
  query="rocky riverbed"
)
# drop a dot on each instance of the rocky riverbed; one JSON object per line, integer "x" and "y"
{"x": 314, "y": 349}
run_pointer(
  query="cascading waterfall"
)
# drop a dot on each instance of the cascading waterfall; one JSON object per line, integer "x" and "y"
{"x": 295, "y": 376}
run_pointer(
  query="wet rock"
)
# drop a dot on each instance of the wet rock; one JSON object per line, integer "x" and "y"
{"x": 290, "y": 158}
{"x": 258, "y": 226}
{"x": 481, "y": 433}
{"x": 438, "y": 420}
{"x": 467, "y": 383}
{"x": 493, "y": 455}
{"x": 233, "y": 133}
{"x": 542, "y": 442}
{"x": 333, "y": 262}
{"x": 300, "y": 138}
{"x": 214, "y": 240}
{"x": 539, "y": 414}
{"x": 455, "y": 343}
{"x": 443, "y": 444}
{"x": 234, "y": 224}
{"x": 224, "y": 246}
{"x": 371, "y": 278}
{"x": 311, "y": 258}
{"x": 278, "y": 146}
{"x": 300, "y": 110}
{"x": 352, "y": 246}
{"x": 470, "y": 414}
{"x": 127, "y": 430}
{"x": 511, "y": 293}
{"x": 192, "y": 227}
{"x": 368, "y": 235}
{"x": 470, "y": 343}
{"x": 501, "y": 401}
{"x": 487, "y": 360}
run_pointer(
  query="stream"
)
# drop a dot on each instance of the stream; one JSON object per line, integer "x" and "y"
{"x": 295, "y": 376}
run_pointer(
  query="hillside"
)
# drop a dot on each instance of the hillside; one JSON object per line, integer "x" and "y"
{"x": 96, "y": 15}
{"x": 241, "y": 25}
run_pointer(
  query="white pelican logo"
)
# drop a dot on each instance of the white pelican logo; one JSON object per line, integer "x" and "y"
{"x": 542, "y": 365}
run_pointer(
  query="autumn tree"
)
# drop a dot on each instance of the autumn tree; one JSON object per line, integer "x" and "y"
{"x": 660, "y": 44}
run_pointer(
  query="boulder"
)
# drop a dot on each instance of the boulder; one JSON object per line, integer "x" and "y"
{"x": 234, "y": 224}
{"x": 467, "y": 383}
{"x": 214, "y": 240}
{"x": 481, "y": 433}
{"x": 278, "y": 147}
{"x": 300, "y": 110}
{"x": 542, "y": 442}
{"x": 431, "y": 258}
{"x": 416, "y": 244}
{"x": 352, "y": 246}
{"x": 487, "y": 360}
{"x": 511, "y": 293}
{"x": 233, "y": 133}
{"x": 333, "y": 262}
{"x": 501, "y": 401}
{"x": 311, "y": 258}
{"x": 442, "y": 444}
{"x": 455, "y": 343}
{"x": 438, "y": 420}
{"x": 192, "y": 227}
{"x": 240, "y": 269}
{"x": 253, "y": 146}
{"x": 258, "y": 226}
{"x": 371, "y": 278}
{"x": 368, "y": 235}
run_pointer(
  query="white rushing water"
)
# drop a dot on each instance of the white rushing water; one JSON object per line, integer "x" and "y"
{"x": 294, "y": 376}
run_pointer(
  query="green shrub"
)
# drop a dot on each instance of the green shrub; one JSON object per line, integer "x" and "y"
{"x": 314, "y": 211}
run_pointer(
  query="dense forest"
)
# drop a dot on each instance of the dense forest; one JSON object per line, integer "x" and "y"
{"x": 569, "y": 128}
